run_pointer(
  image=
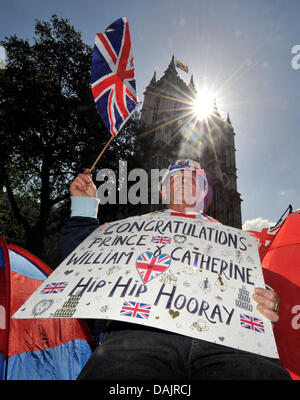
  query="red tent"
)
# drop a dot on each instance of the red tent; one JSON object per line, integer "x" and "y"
{"x": 35, "y": 348}
{"x": 280, "y": 258}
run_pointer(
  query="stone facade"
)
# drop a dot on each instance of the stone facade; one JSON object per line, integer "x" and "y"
{"x": 171, "y": 132}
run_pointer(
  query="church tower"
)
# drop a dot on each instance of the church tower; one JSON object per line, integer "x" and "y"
{"x": 172, "y": 131}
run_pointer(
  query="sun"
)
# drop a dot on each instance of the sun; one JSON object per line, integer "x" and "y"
{"x": 203, "y": 104}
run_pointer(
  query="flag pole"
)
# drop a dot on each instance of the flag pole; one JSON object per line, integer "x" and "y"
{"x": 290, "y": 208}
{"x": 100, "y": 155}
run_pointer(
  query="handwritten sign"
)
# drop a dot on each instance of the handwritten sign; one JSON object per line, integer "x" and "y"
{"x": 188, "y": 276}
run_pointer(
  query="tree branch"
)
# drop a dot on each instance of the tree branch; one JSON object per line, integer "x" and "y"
{"x": 14, "y": 204}
{"x": 60, "y": 198}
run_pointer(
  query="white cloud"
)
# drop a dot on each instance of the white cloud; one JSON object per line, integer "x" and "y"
{"x": 257, "y": 224}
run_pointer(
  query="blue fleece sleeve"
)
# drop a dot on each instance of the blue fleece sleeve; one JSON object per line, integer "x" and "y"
{"x": 82, "y": 206}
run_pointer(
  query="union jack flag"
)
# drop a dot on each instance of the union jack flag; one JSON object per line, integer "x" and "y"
{"x": 54, "y": 287}
{"x": 135, "y": 310}
{"x": 149, "y": 266}
{"x": 112, "y": 75}
{"x": 252, "y": 323}
{"x": 161, "y": 239}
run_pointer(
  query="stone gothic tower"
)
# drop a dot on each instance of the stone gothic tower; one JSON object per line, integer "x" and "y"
{"x": 172, "y": 131}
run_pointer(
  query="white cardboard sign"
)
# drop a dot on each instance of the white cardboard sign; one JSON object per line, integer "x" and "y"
{"x": 179, "y": 274}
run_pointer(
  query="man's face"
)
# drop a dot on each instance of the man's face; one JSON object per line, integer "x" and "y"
{"x": 183, "y": 185}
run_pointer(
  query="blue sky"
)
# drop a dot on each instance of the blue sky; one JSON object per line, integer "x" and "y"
{"x": 241, "y": 49}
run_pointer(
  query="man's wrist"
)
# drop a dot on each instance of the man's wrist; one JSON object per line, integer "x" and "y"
{"x": 82, "y": 206}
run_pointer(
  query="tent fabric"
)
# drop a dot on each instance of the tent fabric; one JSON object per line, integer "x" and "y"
{"x": 264, "y": 239}
{"x": 63, "y": 362}
{"x": 280, "y": 258}
{"x": 39, "y": 348}
{"x": 4, "y": 306}
{"x": 282, "y": 272}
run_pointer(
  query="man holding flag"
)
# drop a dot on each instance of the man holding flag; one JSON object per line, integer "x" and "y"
{"x": 132, "y": 351}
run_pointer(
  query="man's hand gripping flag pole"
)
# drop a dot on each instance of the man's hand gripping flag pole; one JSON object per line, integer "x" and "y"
{"x": 112, "y": 78}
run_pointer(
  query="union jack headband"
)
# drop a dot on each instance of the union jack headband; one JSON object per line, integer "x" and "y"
{"x": 184, "y": 164}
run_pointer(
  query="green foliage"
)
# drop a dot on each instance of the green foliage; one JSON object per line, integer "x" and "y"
{"x": 49, "y": 129}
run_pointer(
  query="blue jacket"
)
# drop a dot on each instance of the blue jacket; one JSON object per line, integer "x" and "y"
{"x": 74, "y": 231}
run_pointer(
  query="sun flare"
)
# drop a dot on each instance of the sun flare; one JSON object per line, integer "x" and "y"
{"x": 203, "y": 104}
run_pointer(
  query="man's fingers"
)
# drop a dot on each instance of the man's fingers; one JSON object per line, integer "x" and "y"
{"x": 267, "y": 303}
{"x": 270, "y": 294}
{"x": 85, "y": 177}
{"x": 87, "y": 172}
{"x": 271, "y": 304}
{"x": 80, "y": 183}
{"x": 267, "y": 312}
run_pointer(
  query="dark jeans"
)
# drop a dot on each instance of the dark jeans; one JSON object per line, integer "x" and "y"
{"x": 151, "y": 354}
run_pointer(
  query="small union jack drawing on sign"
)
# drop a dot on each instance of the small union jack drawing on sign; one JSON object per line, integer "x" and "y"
{"x": 161, "y": 239}
{"x": 135, "y": 310}
{"x": 252, "y": 323}
{"x": 54, "y": 287}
